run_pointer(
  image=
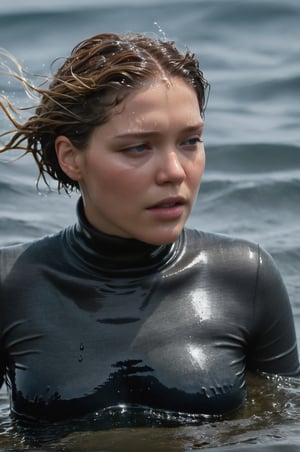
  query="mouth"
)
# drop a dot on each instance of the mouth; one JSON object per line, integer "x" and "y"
{"x": 168, "y": 203}
{"x": 168, "y": 209}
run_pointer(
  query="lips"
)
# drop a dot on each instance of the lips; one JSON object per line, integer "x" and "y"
{"x": 169, "y": 203}
{"x": 168, "y": 209}
{"x": 166, "y": 205}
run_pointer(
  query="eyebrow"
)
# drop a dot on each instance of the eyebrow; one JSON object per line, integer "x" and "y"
{"x": 144, "y": 133}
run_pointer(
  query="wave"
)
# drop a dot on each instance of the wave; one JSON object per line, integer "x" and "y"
{"x": 254, "y": 158}
{"x": 228, "y": 13}
{"x": 253, "y": 12}
{"x": 271, "y": 194}
{"x": 280, "y": 86}
{"x": 35, "y": 9}
{"x": 251, "y": 191}
{"x": 213, "y": 11}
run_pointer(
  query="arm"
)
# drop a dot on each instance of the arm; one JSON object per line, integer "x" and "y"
{"x": 8, "y": 257}
{"x": 274, "y": 344}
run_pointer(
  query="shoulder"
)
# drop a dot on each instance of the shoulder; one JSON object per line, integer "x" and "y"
{"x": 8, "y": 257}
{"x": 218, "y": 258}
{"x": 217, "y": 240}
{"x": 222, "y": 247}
{"x": 26, "y": 252}
{"x": 239, "y": 261}
{"x": 230, "y": 255}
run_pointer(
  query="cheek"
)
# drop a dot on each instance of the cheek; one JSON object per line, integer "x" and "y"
{"x": 113, "y": 182}
{"x": 196, "y": 171}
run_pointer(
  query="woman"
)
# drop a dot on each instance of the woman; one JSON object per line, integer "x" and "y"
{"x": 127, "y": 307}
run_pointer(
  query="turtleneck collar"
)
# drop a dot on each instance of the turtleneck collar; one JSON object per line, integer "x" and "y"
{"x": 106, "y": 253}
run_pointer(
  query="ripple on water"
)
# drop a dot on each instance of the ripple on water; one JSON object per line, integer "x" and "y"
{"x": 270, "y": 418}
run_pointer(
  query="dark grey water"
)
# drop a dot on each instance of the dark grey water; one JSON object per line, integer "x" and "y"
{"x": 250, "y": 53}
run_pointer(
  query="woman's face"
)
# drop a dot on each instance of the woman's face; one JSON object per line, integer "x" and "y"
{"x": 141, "y": 171}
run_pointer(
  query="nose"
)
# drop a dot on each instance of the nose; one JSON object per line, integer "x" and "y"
{"x": 170, "y": 168}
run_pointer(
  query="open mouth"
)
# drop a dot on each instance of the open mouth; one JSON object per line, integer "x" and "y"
{"x": 169, "y": 204}
{"x": 167, "y": 210}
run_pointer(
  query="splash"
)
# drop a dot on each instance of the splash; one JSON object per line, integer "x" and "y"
{"x": 161, "y": 32}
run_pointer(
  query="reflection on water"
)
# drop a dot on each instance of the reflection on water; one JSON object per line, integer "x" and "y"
{"x": 270, "y": 418}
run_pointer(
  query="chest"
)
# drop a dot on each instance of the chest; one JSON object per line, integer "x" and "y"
{"x": 104, "y": 342}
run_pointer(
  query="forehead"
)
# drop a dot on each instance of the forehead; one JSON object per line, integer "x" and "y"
{"x": 159, "y": 106}
{"x": 159, "y": 93}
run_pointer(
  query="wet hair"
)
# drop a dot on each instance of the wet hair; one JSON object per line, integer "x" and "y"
{"x": 97, "y": 76}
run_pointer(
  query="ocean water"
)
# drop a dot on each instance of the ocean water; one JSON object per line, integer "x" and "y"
{"x": 250, "y": 53}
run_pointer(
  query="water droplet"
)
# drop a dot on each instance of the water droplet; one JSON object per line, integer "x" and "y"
{"x": 81, "y": 347}
{"x": 161, "y": 31}
{"x": 80, "y": 359}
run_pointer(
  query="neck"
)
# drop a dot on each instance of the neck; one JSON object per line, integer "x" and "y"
{"x": 107, "y": 253}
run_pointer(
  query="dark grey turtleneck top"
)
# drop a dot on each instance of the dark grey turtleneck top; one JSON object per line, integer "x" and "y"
{"x": 89, "y": 321}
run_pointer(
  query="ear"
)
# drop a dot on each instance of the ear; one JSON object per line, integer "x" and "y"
{"x": 68, "y": 157}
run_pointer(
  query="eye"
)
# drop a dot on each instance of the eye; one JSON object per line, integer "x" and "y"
{"x": 137, "y": 149}
{"x": 191, "y": 142}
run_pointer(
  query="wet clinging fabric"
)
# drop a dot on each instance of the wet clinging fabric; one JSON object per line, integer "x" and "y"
{"x": 90, "y": 321}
